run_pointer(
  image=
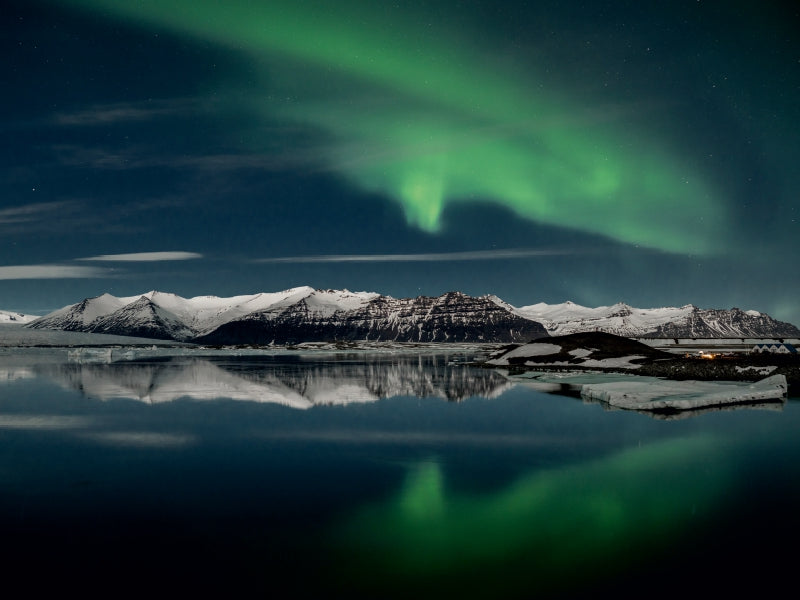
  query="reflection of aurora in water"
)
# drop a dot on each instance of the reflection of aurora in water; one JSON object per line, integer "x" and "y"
{"x": 559, "y": 527}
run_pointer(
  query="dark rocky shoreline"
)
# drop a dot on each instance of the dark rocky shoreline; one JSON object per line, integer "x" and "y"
{"x": 745, "y": 367}
{"x": 750, "y": 369}
{"x": 576, "y": 348}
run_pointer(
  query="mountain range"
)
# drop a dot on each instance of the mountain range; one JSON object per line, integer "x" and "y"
{"x": 305, "y": 314}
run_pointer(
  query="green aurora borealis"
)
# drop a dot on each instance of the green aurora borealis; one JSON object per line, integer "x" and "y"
{"x": 420, "y": 115}
{"x": 603, "y": 152}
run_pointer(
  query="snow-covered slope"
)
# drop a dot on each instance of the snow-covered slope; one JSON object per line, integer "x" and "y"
{"x": 78, "y": 317}
{"x": 143, "y": 318}
{"x": 203, "y": 314}
{"x": 7, "y": 316}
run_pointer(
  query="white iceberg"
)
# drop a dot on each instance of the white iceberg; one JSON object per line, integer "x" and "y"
{"x": 667, "y": 395}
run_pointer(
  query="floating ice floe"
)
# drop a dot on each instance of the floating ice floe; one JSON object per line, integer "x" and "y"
{"x": 668, "y": 396}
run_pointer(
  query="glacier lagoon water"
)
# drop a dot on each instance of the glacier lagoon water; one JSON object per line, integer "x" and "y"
{"x": 377, "y": 475}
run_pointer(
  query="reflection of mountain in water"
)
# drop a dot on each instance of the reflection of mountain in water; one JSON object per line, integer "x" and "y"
{"x": 298, "y": 384}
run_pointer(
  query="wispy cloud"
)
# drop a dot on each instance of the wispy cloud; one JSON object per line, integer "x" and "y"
{"x": 105, "y": 114}
{"x": 144, "y": 257}
{"x": 505, "y": 254}
{"x": 43, "y": 422}
{"x": 142, "y": 158}
{"x": 33, "y": 212}
{"x": 52, "y": 272}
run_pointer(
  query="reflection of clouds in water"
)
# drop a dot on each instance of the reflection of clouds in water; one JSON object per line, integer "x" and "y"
{"x": 82, "y": 426}
{"x": 43, "y": 422}
{"x": 142, "y": 439}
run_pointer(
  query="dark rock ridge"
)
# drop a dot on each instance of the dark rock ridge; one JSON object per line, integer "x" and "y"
{"x": 452, "y": 317}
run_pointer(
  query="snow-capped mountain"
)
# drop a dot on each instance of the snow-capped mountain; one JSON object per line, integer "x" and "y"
{"x": 142, "y": 318}
{"x": 300, "y": 314}
{"x": 7, "y": 317}
{"x": 304, "y": 314}
{"x": 451, "y": 317}
{"x": 684, "y": 322}
{"x": 79, "y": 317}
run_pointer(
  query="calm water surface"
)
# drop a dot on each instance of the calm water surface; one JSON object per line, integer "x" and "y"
{"x": 376, "y": 476}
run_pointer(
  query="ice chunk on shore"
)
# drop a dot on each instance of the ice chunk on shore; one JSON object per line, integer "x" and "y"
{"x": 664, "y": 395}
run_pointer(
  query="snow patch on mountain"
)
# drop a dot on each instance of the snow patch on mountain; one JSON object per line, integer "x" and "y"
{"x": 326, "y": 303}
{"x": 7, "y": 316}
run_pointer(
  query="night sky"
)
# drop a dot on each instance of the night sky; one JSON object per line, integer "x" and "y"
{"x": 643, "y": 152}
